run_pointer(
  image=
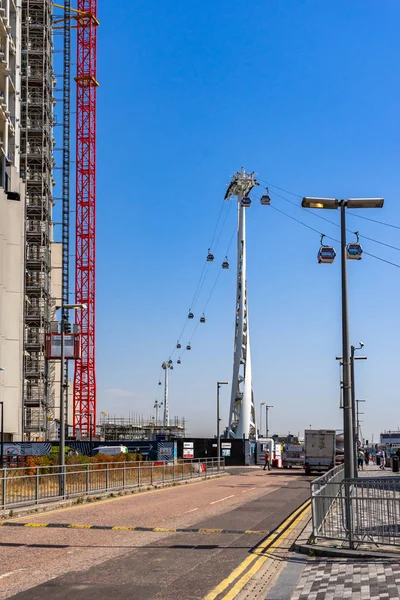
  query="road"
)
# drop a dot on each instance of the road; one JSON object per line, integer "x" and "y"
{"x": 90, "y": 564}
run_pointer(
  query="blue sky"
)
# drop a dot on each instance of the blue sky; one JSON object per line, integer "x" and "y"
{"x": 305, "y": 94}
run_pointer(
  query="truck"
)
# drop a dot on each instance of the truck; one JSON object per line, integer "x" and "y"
{"x": 292, "y": 456}
{"x": 320, "y": 450}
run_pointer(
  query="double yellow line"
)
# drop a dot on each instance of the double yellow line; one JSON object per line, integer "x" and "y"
{"x": 249, "y": 567}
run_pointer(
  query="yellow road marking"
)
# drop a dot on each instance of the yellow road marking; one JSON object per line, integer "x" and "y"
{"x": 123, "y": 528}
{"x": 77, "y": 526}
{"x": 211, "y": 530}
{"x": 163, "y": 530}
{"x": 35, "y": 524}
{"x": 239, "y": 585}
{"x": 253, "y": 557}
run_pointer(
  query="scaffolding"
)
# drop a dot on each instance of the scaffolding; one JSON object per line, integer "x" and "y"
{"x": 116, "y": 429}
{"x": 37, "y": 171}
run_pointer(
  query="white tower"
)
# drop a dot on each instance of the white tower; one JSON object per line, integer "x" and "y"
{"x": 242, "y": 414}
{"x": 166, "y": 365}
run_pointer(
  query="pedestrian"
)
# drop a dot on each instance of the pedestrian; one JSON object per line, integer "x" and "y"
{"x": 360, "y": 457}
{"x": 383, "y": 459}
{"x": 267, "y": 461}
{"x": 367, "y": 457}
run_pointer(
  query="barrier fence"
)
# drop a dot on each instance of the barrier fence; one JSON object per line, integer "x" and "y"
{"x": 34, "y": 485}
{"x": 356, "y": 511}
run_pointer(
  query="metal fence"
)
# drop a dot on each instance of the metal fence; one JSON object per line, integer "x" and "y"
{"x": 34, "y": 485}
{"x": 365, "y": 510}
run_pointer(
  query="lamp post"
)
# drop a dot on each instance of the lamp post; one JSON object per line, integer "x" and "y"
{"x": 219, "y": 383}
{"x": 157, "y": 406}
{"x": 353, "y": 402}
{"x": 2, "y": 430}
{"x": 260, "y": 427}
{"x": 62, "y": 398}
{"x": 267, "y": 407}
{"x": 358, "y": 418}
{"x": 333, "y": 203}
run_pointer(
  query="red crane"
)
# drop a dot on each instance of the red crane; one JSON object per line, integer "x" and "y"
{"x": 85, "y": 274}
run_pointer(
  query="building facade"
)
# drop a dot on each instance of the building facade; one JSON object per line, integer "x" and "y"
{"x": 12, "y": 222}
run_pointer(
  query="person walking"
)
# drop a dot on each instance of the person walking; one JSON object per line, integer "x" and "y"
{"x": 367, "y": 457}
{"x": 360, "y": 457}
{"x": 383, "y": 460}
{"x": 267, "y": 461}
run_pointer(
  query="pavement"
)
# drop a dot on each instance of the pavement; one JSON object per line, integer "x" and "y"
{"x": 59, "y": 563}
{"x": 288, "y": 575}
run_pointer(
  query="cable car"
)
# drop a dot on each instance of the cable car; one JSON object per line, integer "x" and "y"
{"x": 326, "y": 254}
{"x": 354, "y": 249}
{"x": 265, "y": 199}
{"x": 159, "y": 383}
{"x": 202, "y": 319}
{"x": 188, "y": 347}
{"x": 170, "y": 362}
{"x": 190, "y": 315}
{"x": 210, "y": 256}
{"x": 171, "y": 367}
{"x": 225, "y": 264}
{"x": 178, "y": 345}
{"x": 178, "y": 362}
{"x": 246, "y": 202}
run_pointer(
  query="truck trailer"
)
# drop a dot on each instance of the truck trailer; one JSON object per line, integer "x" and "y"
{"x": 320, "y": 450}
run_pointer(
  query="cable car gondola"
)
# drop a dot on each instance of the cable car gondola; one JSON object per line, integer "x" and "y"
{"x": 354, "y": 249}
{"x": 178, "y": 362}
{"x": 178, "y": 345}
{"x": 326, "y": 254}
{"x": 188, "y": 347}
{"x": 159, "y": 383}
{"x": 246, "y": 202}
{"x": 171, "y": 367}
{"x": 190, "y": 315}
{"x": 210, "y": 256}
{"x": 265, "y": 199}
{"x": 202, "y": 319}
{"x": 225, "y": 264}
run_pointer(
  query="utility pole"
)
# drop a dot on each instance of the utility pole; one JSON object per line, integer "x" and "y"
{"x": 353, "y": 404}
{"x": 260, "y": 427}
{"x": 219, "y": 383}
{"x": 166, "y": 365}
{"x": 267, "y": 407}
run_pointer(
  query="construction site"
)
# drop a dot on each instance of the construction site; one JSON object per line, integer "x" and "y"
{"x": 39, "y": 41}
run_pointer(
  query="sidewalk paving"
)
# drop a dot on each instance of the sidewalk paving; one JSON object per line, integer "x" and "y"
{"x": 325, "y": 578}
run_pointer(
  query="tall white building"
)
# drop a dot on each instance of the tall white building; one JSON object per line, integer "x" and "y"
{"x": 12, "y": 222}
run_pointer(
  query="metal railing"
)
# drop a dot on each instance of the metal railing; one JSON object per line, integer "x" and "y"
{"x": 358, "y": 511}
{"x": 34, "y": 485}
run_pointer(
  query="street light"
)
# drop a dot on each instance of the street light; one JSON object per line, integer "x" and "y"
{"x": 358, "y": 419}
{"x": 62, "y": 399}
{"x": 353, "y": 403}
{"x": 219, "y": 383}
{"x": 334, "y": 203}
{"x": 260, "y": 428}
{"x": 2, "y": 430}
{"x": 268, "y": 406}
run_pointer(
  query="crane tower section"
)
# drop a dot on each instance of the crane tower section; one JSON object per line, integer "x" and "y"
{"x": 242, "y": 414}
{"x": 85, "y": 279}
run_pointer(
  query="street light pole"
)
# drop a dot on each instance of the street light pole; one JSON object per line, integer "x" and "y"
{"x": 219, "y": 383}
{"x": 260, "y": 428}
{"x": 353, "y": 404}
{"x": 267, "y": 407}
{"x": 347, "y": 404}
{"x": 62, "y": 397}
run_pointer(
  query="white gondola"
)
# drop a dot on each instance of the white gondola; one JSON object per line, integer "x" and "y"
{"x": 190, "y": 315}
{"x": 178, "y": 345}
{"x": 225, "y": 264}
{"x": 210, "y": 256}
{"x": 326, "y": 254}
{"x": 354, "y": 250}
{"x": 188, "y": 347}
{"x": 246, "y": 202}
{"x": 202, "y": 319}
{"x": 265, "y": 199}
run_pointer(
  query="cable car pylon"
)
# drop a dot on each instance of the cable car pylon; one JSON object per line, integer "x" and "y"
{"x": 242, "y": 414}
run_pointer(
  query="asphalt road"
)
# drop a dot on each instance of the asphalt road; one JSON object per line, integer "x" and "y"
{"x": 84, "y": 564}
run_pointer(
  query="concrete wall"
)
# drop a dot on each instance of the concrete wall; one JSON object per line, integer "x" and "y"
{"x": 12, "y": 257}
